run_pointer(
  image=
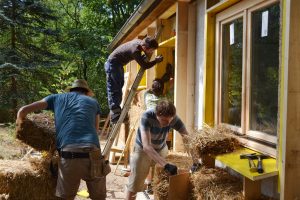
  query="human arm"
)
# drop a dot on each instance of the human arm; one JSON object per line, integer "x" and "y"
{"x": 38, "y": 105}
{"x": 149, "y": 150}
{"x": 145, "y": 64}
{"x": 97, "y": 120}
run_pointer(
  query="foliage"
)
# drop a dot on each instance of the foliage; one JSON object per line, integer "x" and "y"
{"x": 26, "y": 38}
{"x": 43, "y": 50}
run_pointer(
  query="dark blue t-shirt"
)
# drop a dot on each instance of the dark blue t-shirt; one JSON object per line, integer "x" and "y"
{"x": 75, "y": 118}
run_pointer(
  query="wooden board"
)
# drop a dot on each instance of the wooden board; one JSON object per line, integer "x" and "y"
{"x": 179, "y": 186}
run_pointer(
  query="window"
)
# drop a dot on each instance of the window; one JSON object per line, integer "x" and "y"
{"x": 247, "y": 69}
{"x": 232, "y": 48}
{"x": 264, "y": 70}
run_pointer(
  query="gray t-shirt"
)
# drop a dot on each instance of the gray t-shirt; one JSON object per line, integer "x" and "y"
{"x": 129, "y": 51}
{"x": 158, "y": 134}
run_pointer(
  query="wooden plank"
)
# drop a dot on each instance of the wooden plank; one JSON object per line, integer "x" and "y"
{"x": 169, "y": 29}
{"x": 209, "y": 70}
{"x": 191, "y": 67}
{"x": 168, "y": 43}
{"x": 221, "y": 6}
{"x": 251, "y": 189}
{"x": 233, "y": 161}
{"x": 292, "y": 104}
{"x": 181, "y": 67}
{"x": 149, "y": 18}
{"x": 284, "y": 50}
{"x": 150, "y": 73}
{"x": 179, "y": 186}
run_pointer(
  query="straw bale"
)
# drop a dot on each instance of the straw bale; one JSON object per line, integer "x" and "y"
{"x": 160, "y": 184}
{"x": 211, "y": 141}
{"x": 135, "y": 114}
{"x": 181, "y": 160}
{"x": 38, "y": 131}
{"x": 4, "y": 196}
{"x": 217, "y": 184}
{"x": 30, "y": 179}
{"x": 161, "y": 178}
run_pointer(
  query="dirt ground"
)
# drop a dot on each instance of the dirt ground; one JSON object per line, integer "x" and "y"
{"x": 115, "y": 184}
{"x": 115, "y": 187}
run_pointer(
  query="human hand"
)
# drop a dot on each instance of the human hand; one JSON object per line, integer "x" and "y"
{"x": 19, "y": 121}
{"x": 171, "y": 169}
{"x": 159, "y": 58}
{"x": 195, "y": 167}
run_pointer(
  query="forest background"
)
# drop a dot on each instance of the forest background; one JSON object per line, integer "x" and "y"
{"x": 46, "y": 44}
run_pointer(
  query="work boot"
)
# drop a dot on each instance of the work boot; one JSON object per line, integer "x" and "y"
{"x": 114, "y": 117}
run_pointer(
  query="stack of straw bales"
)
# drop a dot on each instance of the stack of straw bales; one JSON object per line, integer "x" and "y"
{"x": 216, "y": 183}
{"x": 29, "y": 179}
{"x": 38, "y": 131}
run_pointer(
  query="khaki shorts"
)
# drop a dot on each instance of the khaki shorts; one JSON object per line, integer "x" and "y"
{"x": 71, "y": 171}
{"x": 140, "y": 164}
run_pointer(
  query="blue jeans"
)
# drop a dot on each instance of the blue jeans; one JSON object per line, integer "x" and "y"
{"x": 114, "y": 83}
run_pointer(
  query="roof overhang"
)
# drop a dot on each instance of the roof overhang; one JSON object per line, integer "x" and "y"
{"x": 146, "y": 13}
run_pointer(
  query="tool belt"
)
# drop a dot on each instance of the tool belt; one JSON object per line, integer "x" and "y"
{"x": 99, "y": 166}
{"x": 73, "y": 155}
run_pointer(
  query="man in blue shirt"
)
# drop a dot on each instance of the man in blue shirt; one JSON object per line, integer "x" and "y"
{"x": 150, "y": 145}
{"x": 76, "y": 122}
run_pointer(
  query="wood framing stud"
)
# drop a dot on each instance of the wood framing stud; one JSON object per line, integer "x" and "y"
{"x": 251, "y": 189}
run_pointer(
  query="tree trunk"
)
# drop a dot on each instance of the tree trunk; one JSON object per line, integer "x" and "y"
{"x": 85, "y": 67}
{"x": 14, "y": 101}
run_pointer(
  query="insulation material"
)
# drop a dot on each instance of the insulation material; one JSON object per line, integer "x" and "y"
{"x": 216, "y": 184}
{"x": 30, "y": 179}
{"x": 161, "y": 178}
{"x": 38, "y": 131}
{"x": 211, "y": 141}
{"x": 135, "y": 114}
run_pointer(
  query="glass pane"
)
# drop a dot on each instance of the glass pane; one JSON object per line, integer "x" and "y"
{"x": 232, "y": 65}
{"x": 264, "y": 70}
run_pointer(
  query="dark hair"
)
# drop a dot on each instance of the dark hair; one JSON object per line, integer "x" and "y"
{"x": 150, "y": 43}
{"x": 79, "y": 89}
{"x": 165, "y": 108}
{"x": 157, "y": 87}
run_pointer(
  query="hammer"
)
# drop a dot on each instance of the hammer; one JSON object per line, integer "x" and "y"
{"x": 259, "y": 164}
{"x": 250, "y": 158}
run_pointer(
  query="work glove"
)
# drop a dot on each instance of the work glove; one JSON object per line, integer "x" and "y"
{"x": 171, "y": 169}
{"x": 195, "y": 167}
{"x": 159, "y": 59}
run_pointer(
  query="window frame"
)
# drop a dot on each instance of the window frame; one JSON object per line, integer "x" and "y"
{"x": 242, "y": 9}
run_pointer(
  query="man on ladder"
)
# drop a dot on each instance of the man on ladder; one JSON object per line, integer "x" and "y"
{"x": 132, "y": 50}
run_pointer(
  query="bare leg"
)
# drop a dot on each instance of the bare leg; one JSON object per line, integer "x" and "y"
{"x": 149, "y": 176}
{"x": 130, "y": 195}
